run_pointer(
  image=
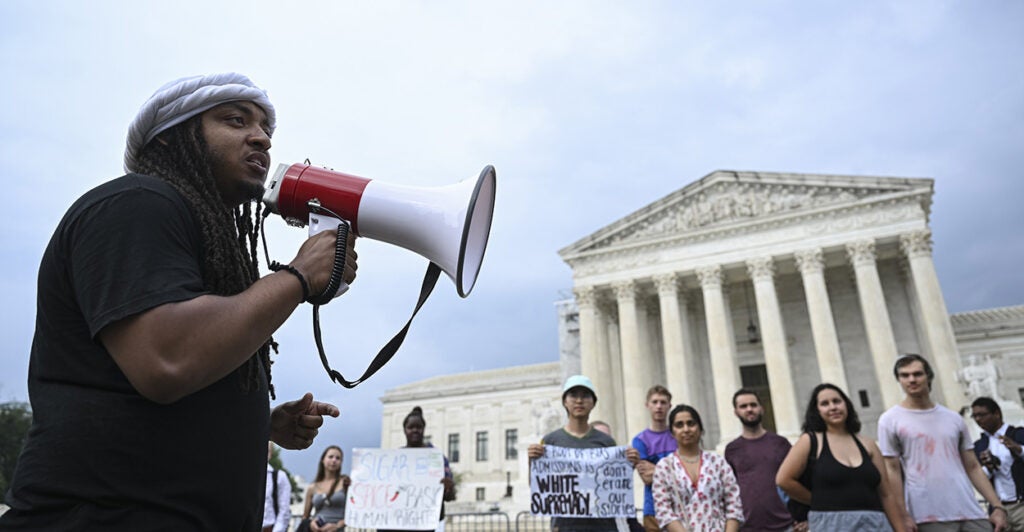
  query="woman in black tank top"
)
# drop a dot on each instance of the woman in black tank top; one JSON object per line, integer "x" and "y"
{"x": 847, "y": 487}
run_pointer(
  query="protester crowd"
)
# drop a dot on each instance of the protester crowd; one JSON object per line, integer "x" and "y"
{"x": 921, "y": 475}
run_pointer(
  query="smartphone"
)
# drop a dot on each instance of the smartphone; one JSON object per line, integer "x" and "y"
{"x": 320, "y": 521}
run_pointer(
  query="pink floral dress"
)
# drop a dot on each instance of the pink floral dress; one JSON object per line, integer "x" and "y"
{"x": 703, "y": 506}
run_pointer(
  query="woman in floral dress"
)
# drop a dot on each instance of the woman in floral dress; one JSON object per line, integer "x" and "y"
{"x": 695, "y": 490}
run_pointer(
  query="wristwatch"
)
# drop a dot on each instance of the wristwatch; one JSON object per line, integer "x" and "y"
{"x": 994, "y": 508}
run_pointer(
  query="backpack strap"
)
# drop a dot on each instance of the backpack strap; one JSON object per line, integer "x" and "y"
{"x": 1016, "y": 434}
{"x": 276, "y": 509}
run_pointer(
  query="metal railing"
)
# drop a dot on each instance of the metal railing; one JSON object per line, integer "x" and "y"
{"x": 527, "y": 522}
{"x": 477, "y": 522}
{"x": 480, "y": 522}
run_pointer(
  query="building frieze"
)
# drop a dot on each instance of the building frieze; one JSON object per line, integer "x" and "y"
{"x": 725, "y": 202}
{"x": 852, "y": 220}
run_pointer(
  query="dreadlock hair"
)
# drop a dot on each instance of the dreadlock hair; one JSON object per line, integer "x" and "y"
{"x": 180, "y": 156}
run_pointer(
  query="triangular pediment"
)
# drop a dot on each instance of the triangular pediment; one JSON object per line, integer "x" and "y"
{"x": 726, "y": 199}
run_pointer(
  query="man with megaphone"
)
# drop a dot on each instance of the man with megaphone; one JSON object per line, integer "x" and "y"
{"x": 150, "y": 369}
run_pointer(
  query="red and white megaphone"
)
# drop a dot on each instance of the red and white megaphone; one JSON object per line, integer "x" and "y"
{"x": 448, "y": 225}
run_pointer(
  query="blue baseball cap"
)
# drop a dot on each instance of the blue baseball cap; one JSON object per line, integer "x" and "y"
{"x": 578, "y": 381}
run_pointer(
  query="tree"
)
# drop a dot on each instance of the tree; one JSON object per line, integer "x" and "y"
{"x": 275, "y": 462}
{"x": 15, "y": 419}
{"x": 457, "y": 480}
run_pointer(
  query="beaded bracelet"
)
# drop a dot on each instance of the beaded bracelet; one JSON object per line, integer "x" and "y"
{"x": 277, "y": 267}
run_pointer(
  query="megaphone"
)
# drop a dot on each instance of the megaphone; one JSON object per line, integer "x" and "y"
{"x": 447, "y": 225}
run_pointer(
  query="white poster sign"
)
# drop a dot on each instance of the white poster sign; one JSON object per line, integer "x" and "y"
{"x": 395, "y": 488}
{"x": 582, "y": 483}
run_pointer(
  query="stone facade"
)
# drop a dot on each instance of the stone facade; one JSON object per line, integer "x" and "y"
{"x": 484, "y": 404}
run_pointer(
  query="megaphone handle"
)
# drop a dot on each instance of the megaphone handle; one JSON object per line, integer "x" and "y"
{"x": 389, "y": 350}
{"x": 336, "y": 285}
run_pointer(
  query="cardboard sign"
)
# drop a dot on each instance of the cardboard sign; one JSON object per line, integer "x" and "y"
{"x": 582, "y": 483}
{"x": 395, "y": 488}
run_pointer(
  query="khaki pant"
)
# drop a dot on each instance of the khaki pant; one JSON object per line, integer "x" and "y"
{"x": 976, "y": 525}
{"x": 1015, "y": 517}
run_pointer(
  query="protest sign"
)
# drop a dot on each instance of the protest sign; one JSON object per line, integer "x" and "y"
{"x": 582, "y": 483}
{"x": 396, "y": 488}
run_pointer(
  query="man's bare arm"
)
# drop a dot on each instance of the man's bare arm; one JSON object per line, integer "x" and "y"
{"x": 646, "y": 471}
{"x": 984, "y": 487}
{"x": 894, "y": 472}
{"x": 175, "y": 349}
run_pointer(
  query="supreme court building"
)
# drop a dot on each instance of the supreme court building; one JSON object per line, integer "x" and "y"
{"x": 772, "y": 281}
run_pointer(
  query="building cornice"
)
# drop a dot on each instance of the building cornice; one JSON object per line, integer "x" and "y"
{"x": 478, "y": 382}
{"x": 992, "y": 318}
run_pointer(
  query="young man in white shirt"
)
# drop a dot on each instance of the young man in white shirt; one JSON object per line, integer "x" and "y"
{"x": 277, "y": 510}
{"x": 930, "y": 459}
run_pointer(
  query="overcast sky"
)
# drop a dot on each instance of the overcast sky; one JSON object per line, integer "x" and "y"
{"x": 589, "y": 110}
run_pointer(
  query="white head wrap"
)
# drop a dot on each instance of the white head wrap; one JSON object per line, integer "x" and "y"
{"x": 184, "y": 98}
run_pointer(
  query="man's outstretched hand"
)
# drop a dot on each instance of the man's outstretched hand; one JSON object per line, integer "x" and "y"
{"x": 294, "y": 425}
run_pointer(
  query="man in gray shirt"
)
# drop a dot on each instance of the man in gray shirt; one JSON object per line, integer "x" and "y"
{"x": 579, "y": 398}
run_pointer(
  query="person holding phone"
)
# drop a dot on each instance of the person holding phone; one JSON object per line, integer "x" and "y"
{"x": 999, "y": 451}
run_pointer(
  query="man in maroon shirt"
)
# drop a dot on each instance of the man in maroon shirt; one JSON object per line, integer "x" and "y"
{"x": 755, "y": 457}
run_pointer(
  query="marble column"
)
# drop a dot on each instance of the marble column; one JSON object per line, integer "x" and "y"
{"x": 776, "y": 353}
{"x": 635, "y": 371}
{"x": 877, "y": 325}
{"x": 811, "y": 264}
{"x": 680, "y": 367}
{"x": 944, "y": 356}
{"x": 724, "y": 370}
{"x": 613, "y": 410}
{"x": 593, "y": 351}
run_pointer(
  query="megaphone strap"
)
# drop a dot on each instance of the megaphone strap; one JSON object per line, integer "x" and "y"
{"x": 389, "y": 349}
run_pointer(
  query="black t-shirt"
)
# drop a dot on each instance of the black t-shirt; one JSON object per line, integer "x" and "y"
{"x": 99, "y": 456}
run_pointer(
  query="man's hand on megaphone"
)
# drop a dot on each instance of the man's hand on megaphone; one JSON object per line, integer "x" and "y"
{"x": 350, "y": 259}
{"x": 315, "y": 260}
